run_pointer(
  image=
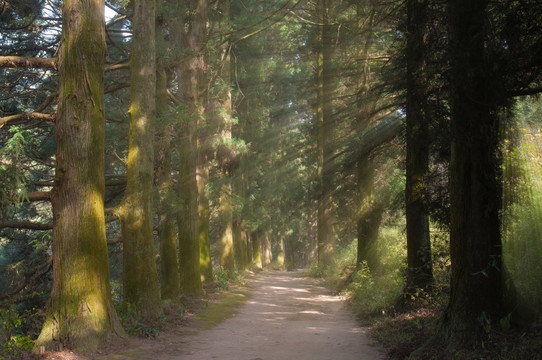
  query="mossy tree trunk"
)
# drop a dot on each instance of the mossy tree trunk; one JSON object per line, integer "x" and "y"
{"x": 141, "y": 290}
{"x": 239, "y": 232}
{"x": 202, "y": 179}
{"x": 194, "y": 86}
{"x": 420, "y": 268}
{"x": 186, "y": 219}
{"x": 289, "y": 257}
{"x": 189, "y": 68}
{"x": 475, "y": 178}
{"x": 80, "y": 312}
{"x": 169, "y": 267}
{"x": 226, "y": 230}
{"x": 326, "y": 236}
{"x": 225, "y": 152}
{"x": 257, "y": 249}
{"x": 266, "y": 249}
{"x": 370, "y": 213}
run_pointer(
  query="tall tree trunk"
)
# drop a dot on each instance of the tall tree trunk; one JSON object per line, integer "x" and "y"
{"x": 80, "y": 312}
{"x": 289, "y": 257}
{"x": 169, "y": 267}
{"x": 226, "y": 230}
{"x": 194, "y": 89}
{"x": 186, "y": 68}
{"x": 202, "y": 179}
{"x": 225, "y": 152}
{"x": 326, "y": 237}
{"x": 420, "y": 268}
{"x": 239, "y": 235}
{"x": 257, "y": 248}
{"x": 266, "y": 249}
{"x": 140, "y": 278}
{"x": 370, "y": 214}
{"x": 186, "y": 218}
{"x": 476, "y": 186}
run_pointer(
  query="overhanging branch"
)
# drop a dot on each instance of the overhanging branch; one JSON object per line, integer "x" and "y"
{"x": 28, "y": 225}
{"x": 27, "y": 117}
{"x": 27, "y": 62}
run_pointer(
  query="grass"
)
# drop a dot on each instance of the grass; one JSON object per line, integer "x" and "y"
{"x": 226, "y": 306}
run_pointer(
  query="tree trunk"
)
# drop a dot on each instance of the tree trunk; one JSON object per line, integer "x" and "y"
{"x": 202, "y": 179}
{"x": 226, "y": 229}
{"x": 80, "y": 311}
{"x": 420, "y": 268}
{"x": 186, "y": 68}
{"x": 370, "y": 214}
{"x": 289, "y": 256}
{"x": 169, "y": 267}
{"x": 140, "y": 278}
{"x": 279, "y": 250}
{"x": 189, "y": 268}
{"x": 257, "y": 249}
{"x": 475, "y": 238}
{"x": 225, "y": 152}
{"x": 239, "y": 236}
{"x": 326, "y": 237}
{"x": 266, "y": 249}
{"x": 194, "y": 85}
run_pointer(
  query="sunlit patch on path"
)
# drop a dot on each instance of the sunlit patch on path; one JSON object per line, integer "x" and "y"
{"x": 287, "y": 317}
{"x": 284, "y": 316}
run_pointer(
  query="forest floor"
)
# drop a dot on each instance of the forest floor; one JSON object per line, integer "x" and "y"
{"x": 278, "y": 315}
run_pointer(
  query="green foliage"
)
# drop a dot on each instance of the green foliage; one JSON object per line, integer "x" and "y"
{"x": 223, "y": 278}
{"x": 522, "y": 218}
{"x": 15, "y": 330}
{"x": 372, "y": 294}
{"x": 12, "y": 175}
{"x": 134, "y": 324}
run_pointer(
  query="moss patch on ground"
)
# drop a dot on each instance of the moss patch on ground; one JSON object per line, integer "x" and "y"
{"x": 222, "y": 308}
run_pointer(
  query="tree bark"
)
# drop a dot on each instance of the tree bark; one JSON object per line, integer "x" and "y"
{"x": 239, "y": 234}
{"x": 225, "y": 153}
{"x": 196, "y": 41}
{"x": 420, "y": 268}
{"x": 326, "y": 237}
{"x": 189, "y": 268}
{"x": 476, "y": 186}
{"x": 140, "y": 277}
{"x": 257, "y": 249}
{"x": 370, "y": 214}
{"x": 80, "y": 312}
{"x": 187, "y": 69}
{"x": 266, "y": 249}
{"x": 169, "y": 266}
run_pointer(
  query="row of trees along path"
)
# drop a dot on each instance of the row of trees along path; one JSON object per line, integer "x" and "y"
{"x": 227, "y": 133}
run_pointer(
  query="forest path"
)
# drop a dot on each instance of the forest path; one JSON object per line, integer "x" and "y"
{"x": 286, "y": 317}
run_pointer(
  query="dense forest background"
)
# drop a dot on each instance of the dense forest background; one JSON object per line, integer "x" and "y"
{"x": 154, "y": 149}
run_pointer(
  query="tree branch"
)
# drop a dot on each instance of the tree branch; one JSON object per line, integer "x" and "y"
{"x": 27, "y": 117}
{"x": 25, "y": 225}
{"x": 525, "y": 92}
{"x": 27, "y": 63}
{"x": 28, "y": 278}
{"x": 117, "y": 66}
{"x": 38, "y": 196}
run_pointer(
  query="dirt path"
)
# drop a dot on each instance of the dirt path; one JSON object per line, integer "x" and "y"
{"x": 287, "y": 317}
